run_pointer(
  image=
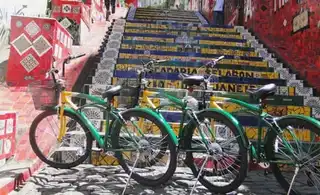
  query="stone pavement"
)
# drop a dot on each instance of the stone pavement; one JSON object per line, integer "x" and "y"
{"x": 104, "y": 180}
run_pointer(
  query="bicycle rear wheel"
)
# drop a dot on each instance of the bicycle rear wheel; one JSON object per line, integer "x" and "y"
{"x": 146, "y": 141}
{"x": 74, "y": 148}
{"x": 226, "y": 156}
{"x": 306, "y": 148}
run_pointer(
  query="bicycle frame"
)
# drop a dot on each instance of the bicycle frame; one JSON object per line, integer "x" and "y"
{"x": 257, "y": 111}
{"x": 174, "y": 102}
{"x": 181, "y": 105}
{"x": 68, "y": 105}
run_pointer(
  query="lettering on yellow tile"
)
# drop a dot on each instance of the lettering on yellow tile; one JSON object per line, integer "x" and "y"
{"x": 301, "y": 110}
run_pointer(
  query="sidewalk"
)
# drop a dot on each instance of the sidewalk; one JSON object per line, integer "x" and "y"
{"x": 110, "y": 180}
{"x": 17, "y": 170}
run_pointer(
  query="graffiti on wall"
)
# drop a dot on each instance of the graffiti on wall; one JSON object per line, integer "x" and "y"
{"x": 291, "y": 31}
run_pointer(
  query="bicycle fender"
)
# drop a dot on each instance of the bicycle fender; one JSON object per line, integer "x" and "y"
{"x": 235, "y": 122}
{"x": 312, "y": 120}
{"x": 161, "y": 120}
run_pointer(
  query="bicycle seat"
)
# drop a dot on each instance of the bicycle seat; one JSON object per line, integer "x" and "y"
{"x": 191, "y": 79}
{"x": 262, "y": 92}
{"x": 111, "y": 92}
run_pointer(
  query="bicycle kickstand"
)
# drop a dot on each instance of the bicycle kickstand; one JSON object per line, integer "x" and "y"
{"x": 201, "y": 169}
{"x": 293, "y": 178}
{"x": 128, "y": 181}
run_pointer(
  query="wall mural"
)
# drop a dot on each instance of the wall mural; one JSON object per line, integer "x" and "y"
{"x": 20, "y": 8}
{"x": 291, "y": 28}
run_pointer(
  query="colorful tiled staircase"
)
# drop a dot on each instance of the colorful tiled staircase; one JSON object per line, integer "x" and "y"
{"x": 186, "y": 45}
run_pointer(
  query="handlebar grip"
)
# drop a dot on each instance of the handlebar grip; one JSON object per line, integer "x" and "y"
{"x": 220, "y": 58}
{"x": 78, "y": 56}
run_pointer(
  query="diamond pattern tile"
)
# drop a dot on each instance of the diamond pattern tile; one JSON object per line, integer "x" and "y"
{"x": 111, "y": 53}
{"x": 116, "y": 36}
{"x": 114, "y": 44}
{"x": 106, "y": 64}
{"x": 41, "y": 45}
{"x": 21, "y": 44}
{"x": 66, "y": 8}
{"x": 29, "y": 63}
{"x": 103, "y": 77}
{"x": 32, "y": 29}
{"x": 65, "y": 23}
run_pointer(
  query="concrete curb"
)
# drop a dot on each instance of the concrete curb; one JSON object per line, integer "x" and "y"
{"x": 21, "y": 177}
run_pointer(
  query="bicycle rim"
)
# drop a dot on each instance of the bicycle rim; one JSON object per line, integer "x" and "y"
{"x": 74, "y": 148}
{"x": 225, "y": 168}
{"x": 306, "y": 147}
{"x": 155, "y": 161}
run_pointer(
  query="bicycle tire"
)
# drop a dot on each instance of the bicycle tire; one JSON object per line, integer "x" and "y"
{"x": 118, "y": 154}
{"x": 243, "y": 153}
{"x": 270, "y": 140}
{"x": 39, "y": 154}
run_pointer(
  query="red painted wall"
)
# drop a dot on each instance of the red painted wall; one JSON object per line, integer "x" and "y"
{"x": 274, "y": 26}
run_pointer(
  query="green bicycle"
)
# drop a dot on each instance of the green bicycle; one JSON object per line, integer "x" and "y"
{"x": 288, "y": 149}
{"x": 283, "y": 139}
{"x": 72, "y": 141}
{"x": 196, "y": 134}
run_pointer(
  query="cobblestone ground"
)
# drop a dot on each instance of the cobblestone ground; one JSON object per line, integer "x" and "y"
{"x": 107, "y": 180}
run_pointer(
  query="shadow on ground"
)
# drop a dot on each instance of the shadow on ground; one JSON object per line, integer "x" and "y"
{"x": 90, "y": 180}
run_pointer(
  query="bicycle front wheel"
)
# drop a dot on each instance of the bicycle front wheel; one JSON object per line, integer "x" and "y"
{"x": 301, "y": 155}
{"x": 144, "y": 148}
{"x": 215, "y": 152}
{"x": 74, "y": 148}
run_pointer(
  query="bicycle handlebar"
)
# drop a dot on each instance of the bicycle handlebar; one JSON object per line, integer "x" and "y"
{"x": 214, "y": 62}
{"x": 74, "y": 57}
{"x": 54, "y": 70}
{"x": 149, "y": 66}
